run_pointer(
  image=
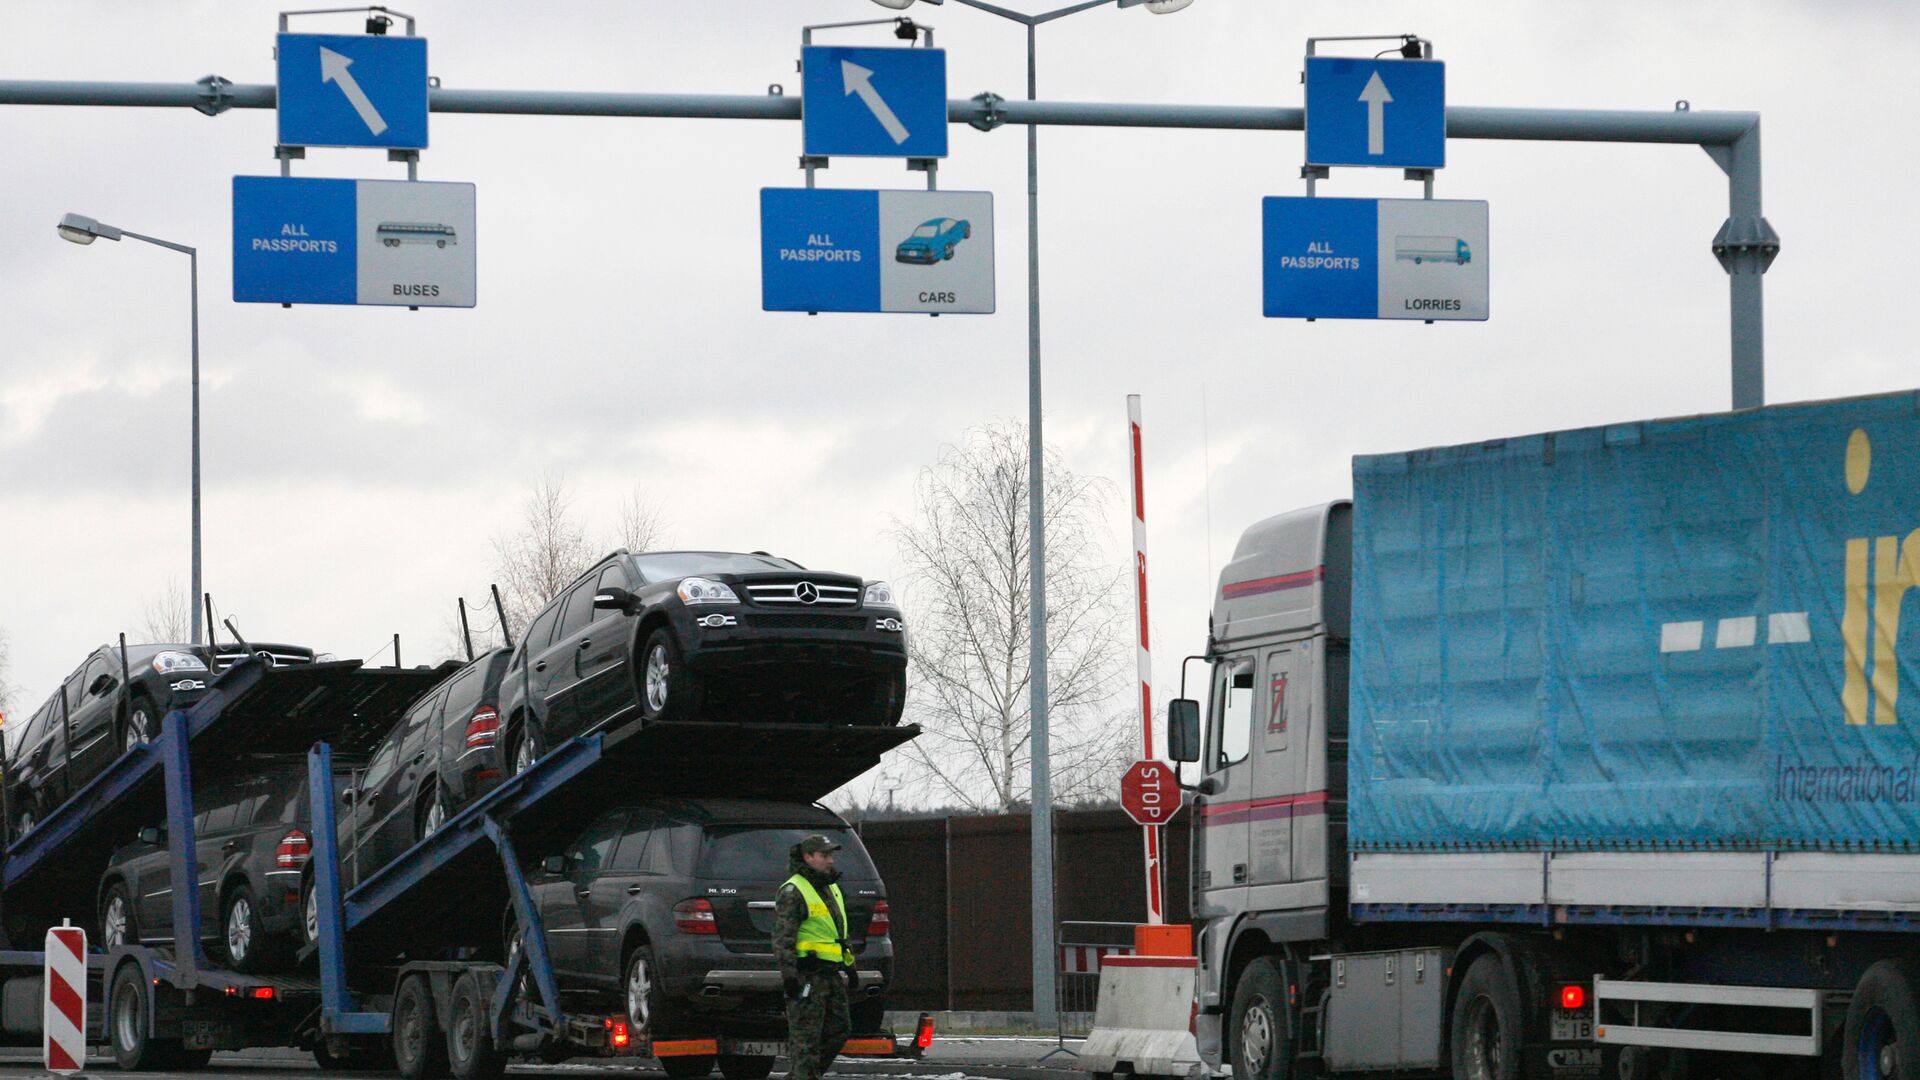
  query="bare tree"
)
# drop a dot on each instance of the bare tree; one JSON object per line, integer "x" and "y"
{"x": 7, "y": 689}
{"x": 543, "y": 556}
{"x": 642, "y": 526}
{"x": 967, "y": 595}
{"x": 167, "y": 617}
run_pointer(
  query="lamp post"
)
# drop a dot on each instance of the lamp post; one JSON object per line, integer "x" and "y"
{"x": 1045, "y": 962}
{"x": 85, "y": 230}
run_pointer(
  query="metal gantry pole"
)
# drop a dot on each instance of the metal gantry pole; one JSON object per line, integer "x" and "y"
{"x": 193, "y": 270}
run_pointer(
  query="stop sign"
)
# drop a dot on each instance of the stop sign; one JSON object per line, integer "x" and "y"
{"x": 1149, "y": 793}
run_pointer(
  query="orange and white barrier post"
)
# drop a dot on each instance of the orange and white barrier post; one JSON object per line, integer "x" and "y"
{"x": 64, "y": 1021}
{"x": 1151, "y": 833}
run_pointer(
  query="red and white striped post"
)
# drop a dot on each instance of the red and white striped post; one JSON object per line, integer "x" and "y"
{"x": 1150, "y": 833}
{"x": 64, "y": 1018}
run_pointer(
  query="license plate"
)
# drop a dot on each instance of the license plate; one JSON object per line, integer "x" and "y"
{"x": 205, "y": 1034}
{"x": 1572, "y": 1026}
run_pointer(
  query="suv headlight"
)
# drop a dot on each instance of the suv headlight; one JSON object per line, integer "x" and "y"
{"x": 168, "y": 663}
{"x": 699, "y": 590}
{"x": 879, "y": 592}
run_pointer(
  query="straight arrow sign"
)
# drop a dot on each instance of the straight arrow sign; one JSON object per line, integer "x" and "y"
{"x": 1376, "y": 97}
{"x": 333, "y": 69}
{"x": 859, "y": 80}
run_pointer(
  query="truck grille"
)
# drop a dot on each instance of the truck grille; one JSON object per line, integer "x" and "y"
{"x": 805, "y": 593}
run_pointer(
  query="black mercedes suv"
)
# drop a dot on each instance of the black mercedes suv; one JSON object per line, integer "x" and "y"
{"x": 682, "y": 635}
{"x": 93, "y": 718}
{"x": 666, "y": 905}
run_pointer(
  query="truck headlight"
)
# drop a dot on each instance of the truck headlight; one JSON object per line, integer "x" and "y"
{"x": 168, "y": 663}
{"x": 879, "y": 592}
{"x": 699, "y": 590}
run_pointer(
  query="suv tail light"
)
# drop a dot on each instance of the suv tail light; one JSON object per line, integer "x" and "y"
{"x": 694, "y": 917}
{"x": 881, "y": 920}
{"x": 293, "y": 850}
{"x": 483, "y": 727}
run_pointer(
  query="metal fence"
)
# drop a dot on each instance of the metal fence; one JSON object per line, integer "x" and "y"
{"x": 1077, "y": 985}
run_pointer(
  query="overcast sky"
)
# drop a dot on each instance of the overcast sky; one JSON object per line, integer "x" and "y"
{"x": 358, "y": 461}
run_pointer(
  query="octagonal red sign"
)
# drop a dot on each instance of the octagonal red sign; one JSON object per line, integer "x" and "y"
{"x": 1149, "y": 793}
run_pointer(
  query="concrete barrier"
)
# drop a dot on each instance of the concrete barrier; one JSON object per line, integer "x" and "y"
{"x": 1143, "y": 1022}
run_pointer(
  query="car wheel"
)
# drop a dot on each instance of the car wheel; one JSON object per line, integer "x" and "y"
{"x": 419, "y": 1046}
{"x": 25, "y": 825}
{"x": 650, "y": 1015}
{"x": 309, "y": 911}
{"x": 666, "y": 686}
{"x": 471, "y": 1053}
{"x": 526, "y": 750}
{"x": 433, "y": 814}
{"x": 745, "y": 1066}
{"x": 143, "y": 723}
{"x": 116, "y": 918}
{"x": 249, "y": 947}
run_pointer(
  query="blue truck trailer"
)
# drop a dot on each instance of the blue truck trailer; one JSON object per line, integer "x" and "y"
{"x": 411, "y": 959}
{"x": 1575, "y": 755}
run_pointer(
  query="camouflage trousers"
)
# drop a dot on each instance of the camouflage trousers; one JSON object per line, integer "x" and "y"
{"x": 817, "y": 1025}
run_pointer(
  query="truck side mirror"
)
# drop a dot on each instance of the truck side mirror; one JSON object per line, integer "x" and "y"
{"x": 1183, "y": 730}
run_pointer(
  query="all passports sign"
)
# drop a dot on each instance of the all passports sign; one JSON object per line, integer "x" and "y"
{"x": 383, "y": 242}
{"x": 838, "y": 249}
{"x": 1420, "y": 259}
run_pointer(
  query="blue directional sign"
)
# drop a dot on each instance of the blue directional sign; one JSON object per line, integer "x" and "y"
{"x": 301, "y": 240}
{"x": 353, "y": 90}
{"x": 1390, "y": 113}
{"x": 1374, "y": 259}
{"x": 873, "y": 102}
{"x": 839, "y": 249}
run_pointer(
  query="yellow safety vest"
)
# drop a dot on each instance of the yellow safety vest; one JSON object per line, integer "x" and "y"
{"x": 819, "y": 935}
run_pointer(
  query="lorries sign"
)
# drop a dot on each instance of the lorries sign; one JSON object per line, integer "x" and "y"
{"x": 388, "y": 242}
{"x": 1374, "y": 258}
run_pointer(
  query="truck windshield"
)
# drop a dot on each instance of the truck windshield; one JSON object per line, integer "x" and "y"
{"x": 749, "y": 852}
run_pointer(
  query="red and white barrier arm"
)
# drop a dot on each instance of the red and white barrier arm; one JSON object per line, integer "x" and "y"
{"x": 1150, "y": 833}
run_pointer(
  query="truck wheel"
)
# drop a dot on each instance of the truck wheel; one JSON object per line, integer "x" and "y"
{"x": 128, "y": 1010}
{"x": 745, "y": 1066}
{"x": 419, "y": 1046}
{"x": 1882, "y": 1040}
{"x": 666, "y": 686}
{"x": 471, "y": 1054}
{"x": 1485, "y": 1029}
{"x": 191, "y": 1060}
{"x": 689, "y": 1067}
{"x": 1257, "y": 1025}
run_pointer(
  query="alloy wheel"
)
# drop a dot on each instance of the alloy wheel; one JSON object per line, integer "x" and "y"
{"x": 436, "y": 817}
{"x": 658, "y": 674}
{"x": 523, "y": 754}
{"x": 139, "y": 729}
{"x": 310, "y": 911}
{"x": 639, "y": 993}
{"x": 113, "y": 924}
{"x": 239, "y": 929}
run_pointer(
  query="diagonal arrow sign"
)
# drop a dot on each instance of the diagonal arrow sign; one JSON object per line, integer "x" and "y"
{"x": 333, "y": 69}
{"x": 859, "y": 80}
{"x": 1376, "y": 97}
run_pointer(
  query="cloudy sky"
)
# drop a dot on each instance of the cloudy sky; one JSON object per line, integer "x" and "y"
{"x": 358, "y": 461}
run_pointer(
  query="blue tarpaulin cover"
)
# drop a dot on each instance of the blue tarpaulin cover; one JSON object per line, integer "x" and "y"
{"x": 1671, "y": 634}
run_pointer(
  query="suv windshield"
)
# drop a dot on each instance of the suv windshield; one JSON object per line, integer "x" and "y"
{"x": 668, "y": 565}
{"x": 761, "y": 851}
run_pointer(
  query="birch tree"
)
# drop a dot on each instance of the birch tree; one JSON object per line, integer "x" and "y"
{"x": 966, "y": 548}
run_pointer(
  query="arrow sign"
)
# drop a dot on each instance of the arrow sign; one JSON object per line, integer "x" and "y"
{"x": 333, "y": 69}
{"x": 859, "y": 80}
{"x": 1376, "y": 97}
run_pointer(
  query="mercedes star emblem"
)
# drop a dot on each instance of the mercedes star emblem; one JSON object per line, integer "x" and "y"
{"x": 806, "y": 592}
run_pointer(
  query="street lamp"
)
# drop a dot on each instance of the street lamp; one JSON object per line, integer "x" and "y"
{"x": 84, "y": 230}
{"x": 1044, "y": 960}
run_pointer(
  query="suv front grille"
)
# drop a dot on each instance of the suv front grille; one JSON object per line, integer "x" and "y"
{"x": 226, "y": 658}
{"x": 794, "y": 592}
{"x": 811, "y": 620}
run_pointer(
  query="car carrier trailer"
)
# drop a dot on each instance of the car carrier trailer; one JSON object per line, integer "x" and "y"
{"x": 1585, "y": 754}
{"x": 408, "y": 955}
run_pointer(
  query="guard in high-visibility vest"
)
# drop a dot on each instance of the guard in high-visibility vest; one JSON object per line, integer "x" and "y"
{"x": 810, "y": 941}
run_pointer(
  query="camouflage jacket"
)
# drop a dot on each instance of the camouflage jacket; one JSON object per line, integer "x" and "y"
{"x": 790, "y": 910}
